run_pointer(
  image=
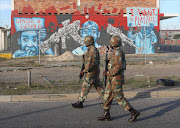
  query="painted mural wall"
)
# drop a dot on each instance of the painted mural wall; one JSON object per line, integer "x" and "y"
{"x": 145, "y": 19}
{"x": 29, "y": 31}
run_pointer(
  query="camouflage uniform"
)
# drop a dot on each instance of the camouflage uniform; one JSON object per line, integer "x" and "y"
{"x": 91, "y": 63}
{"x": 115, "y": 81}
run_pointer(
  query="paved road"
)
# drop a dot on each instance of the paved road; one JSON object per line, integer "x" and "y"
{"x": 156, "y": 113}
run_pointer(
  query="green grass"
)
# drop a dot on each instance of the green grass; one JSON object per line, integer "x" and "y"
{"x": 140, "y": 83}
{"x": 37, "y": 65}
{"x": 22, "y": 88}
{"x": 72, "y": 86}
{"x": 13, "y": 89}
{"x": 2, "y": 59}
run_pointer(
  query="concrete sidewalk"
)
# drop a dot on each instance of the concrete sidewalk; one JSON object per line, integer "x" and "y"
{"x": 153, "y": 93}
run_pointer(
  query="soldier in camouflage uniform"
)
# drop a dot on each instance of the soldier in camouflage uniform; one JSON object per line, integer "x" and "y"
{"x": 114, "y": 82}
{"x": 91, "y": 70}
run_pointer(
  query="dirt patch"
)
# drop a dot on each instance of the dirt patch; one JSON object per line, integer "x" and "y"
{"x": 67, "y": 56}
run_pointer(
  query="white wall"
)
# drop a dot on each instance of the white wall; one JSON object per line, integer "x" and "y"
{"x": 12, "y": 5}
{"x": 1, "y": 40}
{"x": 157, "y": 3}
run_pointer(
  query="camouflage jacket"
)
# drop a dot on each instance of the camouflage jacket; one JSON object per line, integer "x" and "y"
{"x": 91, "y": 62}
{"x": 115, "y": 65}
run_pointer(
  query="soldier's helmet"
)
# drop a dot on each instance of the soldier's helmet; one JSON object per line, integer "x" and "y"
{"x": 89, "y": 40}
{"x": 115, "y": 41}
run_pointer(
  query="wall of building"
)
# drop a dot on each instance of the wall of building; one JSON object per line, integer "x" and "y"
{"x": 169, "y": 34}
{"x": 70, "y": 6}
{"x": 66, "y": 32}
{"x": 168, "y": 43}
{"x": 2, "y": 40}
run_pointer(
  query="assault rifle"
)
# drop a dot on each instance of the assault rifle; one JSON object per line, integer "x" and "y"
{"x": 106, "y": 66}
{"x": 124, "y": 66}
{"x": 82, "y": 68}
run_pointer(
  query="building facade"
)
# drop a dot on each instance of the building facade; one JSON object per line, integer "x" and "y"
{"x": 4, "y": 42}
{"x": 61, "y": 25}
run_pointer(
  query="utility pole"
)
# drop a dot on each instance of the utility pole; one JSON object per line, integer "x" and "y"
{"x": 145, "y": 44}
{"x": 39, "y": 47}
{"x": 78, "y": 4}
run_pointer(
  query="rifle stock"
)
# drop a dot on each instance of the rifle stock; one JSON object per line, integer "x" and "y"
{"x": 82, "y": 68}
{"x": 106, "y": 67}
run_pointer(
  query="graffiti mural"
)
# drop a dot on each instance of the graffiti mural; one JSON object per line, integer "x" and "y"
{"x": 144, "y": 38}
{"x": 62, "y": 34}
{"x": 117, "y": 32}
{"x": 144, "y": 19}
{"x": 66, "y": 32}
{"x": 89, "y": 28}
{"x": 32, "y": 32}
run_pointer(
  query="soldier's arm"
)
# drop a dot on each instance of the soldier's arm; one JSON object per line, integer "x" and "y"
{"x": 117, "y": 64}
{"x": 90, "y": 62}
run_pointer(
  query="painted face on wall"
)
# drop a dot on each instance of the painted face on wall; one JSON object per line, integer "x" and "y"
{"x": 29, "y": 42}
{"x": 90, "y": 28}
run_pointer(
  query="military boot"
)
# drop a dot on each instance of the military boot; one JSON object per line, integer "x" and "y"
{"x": 106, "y": 116}
{"x": 134, "y": 114}
{"x": 78, "y": 104}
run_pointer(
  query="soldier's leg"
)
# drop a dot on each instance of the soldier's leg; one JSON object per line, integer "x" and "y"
{"x": 86, "y": 87}
{"x": 99, "y": 87}
{"x": 122, "y": 101}
{"x": 118, "y": 93}
{"x": 87, "y": 84}
{"x": 108, "y": 98}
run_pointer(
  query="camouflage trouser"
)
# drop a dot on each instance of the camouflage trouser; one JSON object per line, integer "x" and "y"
{"x": 114, "y": 90}
{"x": 86, "y": 87}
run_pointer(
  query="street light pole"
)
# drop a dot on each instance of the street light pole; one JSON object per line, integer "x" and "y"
{"x": 39, "y": 47}
{"x": 145, "y": 44}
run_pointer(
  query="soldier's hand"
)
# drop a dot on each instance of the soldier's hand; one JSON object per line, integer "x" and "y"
{"x": 105, "y": 73}
{"x": 81, "y": 74}
{"x": 109, "y": 50}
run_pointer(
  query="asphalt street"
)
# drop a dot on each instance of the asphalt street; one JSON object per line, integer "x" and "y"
{"x": 155, "y": 113}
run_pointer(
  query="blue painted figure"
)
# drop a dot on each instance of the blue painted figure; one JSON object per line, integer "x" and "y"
{"x": 138, "y": 40}
{"x": 150, "y": 40}
{"x": 135, "y": 37}
{"x": 130, "y": 32}
{"x": 145, "y": 38}
{"x": 29, "y": 41}
{"x": 89, "y": 28}
{"x": 153, "y": 39}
